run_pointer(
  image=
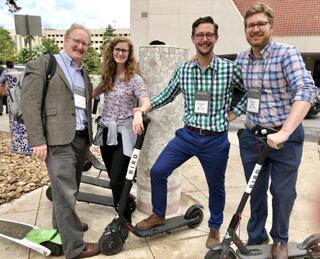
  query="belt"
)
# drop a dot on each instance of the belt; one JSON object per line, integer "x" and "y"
{"x": 204, "y": 132}
{"x": 82, "y": 133}
{"x": 251, "y": 127}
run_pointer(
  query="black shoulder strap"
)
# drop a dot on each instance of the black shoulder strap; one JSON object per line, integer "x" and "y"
{"x": 52, "y": 65}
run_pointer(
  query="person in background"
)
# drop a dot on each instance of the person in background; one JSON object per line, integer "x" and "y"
{"x": 2, "y": 90}
{"x": 280, "y": 92}
{"x": 207, "y": 83}
{"x": 3, "y": 78}
{"x": 118, "y": 127}
{"x": 63, "y": 135}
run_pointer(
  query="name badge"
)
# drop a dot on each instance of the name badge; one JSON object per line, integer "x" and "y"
{"x": 202, "y": 100}
{"x": 79, "y": 98}
{"x": 253, "y": 104}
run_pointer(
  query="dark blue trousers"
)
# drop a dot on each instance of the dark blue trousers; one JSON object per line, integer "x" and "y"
{"x": 282, "y": 167}
{"x": 212, "y": 152}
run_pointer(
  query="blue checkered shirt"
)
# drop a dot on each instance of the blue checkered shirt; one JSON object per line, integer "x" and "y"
{"x": 280, "y": 72}
{"x": 219, "y": 80}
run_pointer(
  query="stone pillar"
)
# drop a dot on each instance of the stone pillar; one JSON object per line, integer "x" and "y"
{"x": 18, "y": 133}
{"x": 157, "y": 65}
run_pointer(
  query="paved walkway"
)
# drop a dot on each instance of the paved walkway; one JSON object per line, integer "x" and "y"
{"x": 34, "y": 208}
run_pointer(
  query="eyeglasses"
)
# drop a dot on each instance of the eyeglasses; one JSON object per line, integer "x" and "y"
{"x": 118, "y": 50}
{"x": 260, "y": 25}
{"x": 78, "y": 41}
{"x": 200, "y": 36}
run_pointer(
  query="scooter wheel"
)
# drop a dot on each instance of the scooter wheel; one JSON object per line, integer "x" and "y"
{"x": 194, "y": 212}
{"x": 49, "y": 193}
{"x": 86, "y": 166}
{"x": 131, "y": 204}
{"x": 56, "y": 250}
{"x": 215, "y": 254}
{"x": 111, "y": 243}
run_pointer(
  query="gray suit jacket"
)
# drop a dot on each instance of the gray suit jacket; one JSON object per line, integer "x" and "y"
{"x": 59, "y": 105}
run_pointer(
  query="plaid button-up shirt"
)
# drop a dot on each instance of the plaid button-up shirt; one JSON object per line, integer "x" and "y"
{"x": 219, "y": 80}
{"x": 281, "y": 74}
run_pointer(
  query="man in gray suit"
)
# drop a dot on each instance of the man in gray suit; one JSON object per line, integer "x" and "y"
{"x": 63, "y": 134}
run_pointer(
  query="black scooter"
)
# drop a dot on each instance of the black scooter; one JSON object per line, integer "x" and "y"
{"x": 92, "y": 160}
{"x": 309, "y": 248}
{"x": 112, "y": 240}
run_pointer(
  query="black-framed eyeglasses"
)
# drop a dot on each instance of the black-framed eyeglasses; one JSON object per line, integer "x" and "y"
{"x": 260, "y": 25}
{"x": 208, "y": 35}
{"x": 118, "y": 50}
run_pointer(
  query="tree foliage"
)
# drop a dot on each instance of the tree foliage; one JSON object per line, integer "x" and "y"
{"x": 49, "y": 45}
{"x": 7, "y": 49}
{"x": 92, "y": 61}
{"x": 107, "y": 37}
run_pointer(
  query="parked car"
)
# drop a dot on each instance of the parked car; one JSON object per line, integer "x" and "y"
{"x": 19, "y": 67}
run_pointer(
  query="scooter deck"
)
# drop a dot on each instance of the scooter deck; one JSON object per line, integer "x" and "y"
{"x": 17, "y": 232}
{"x": 171, "y": 224}
{"x": 95, "y": 181}
{"x": 293, "y": 251}
{"x": 94, "y": 198}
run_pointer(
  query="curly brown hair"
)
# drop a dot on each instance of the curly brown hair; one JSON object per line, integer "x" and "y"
{"x": 109, "y": 66}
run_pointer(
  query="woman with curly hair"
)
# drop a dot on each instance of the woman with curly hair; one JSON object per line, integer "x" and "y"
{"x": 119, "y": 125}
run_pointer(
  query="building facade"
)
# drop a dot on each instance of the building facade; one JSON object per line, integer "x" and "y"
{"x": 57, "y": 35}
{"x": 296, "y": 23}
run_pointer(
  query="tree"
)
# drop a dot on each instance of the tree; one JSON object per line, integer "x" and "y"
{"x": 92, "y": 61}
{"x": 107, "y": 37}
{"x": 7, "y": 49}
{"x": 49, "y": 45}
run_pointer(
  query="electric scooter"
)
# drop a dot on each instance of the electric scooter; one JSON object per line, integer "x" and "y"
{"x": 92, "y": 160}
{"x": 112, "y": 240}
{"x": 309, "y": 248}
{"x": 45, "y": 241}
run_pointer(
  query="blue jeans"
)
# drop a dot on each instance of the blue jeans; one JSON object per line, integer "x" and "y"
{"x": 212, "y": 152}
{"x": 282, "y": 167}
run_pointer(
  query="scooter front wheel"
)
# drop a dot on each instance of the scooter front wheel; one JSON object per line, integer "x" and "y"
{"x": 111, "y": 243}
{"x": 196, "y": 213}
{"x": 49, "y": 193}
{"x": 56, "y": 250}
{"x": 215, "y": 254}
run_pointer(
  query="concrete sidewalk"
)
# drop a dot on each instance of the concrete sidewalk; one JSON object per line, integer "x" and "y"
{"x": 34, "y": 208}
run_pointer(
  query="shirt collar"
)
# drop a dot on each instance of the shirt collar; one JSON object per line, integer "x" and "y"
{"x": 69, "y": 61}
{"x": 213, "y": 64}
{"x": 265, "y": 52}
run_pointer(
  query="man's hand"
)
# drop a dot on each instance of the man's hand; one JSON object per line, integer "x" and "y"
{"x": 274, "y": 140}
{"x": 40, "y": 152}
{"x": 232, "y": 116}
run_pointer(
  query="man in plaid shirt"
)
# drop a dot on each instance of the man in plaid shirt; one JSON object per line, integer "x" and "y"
{"x": 280, "y": 92}
{"x": 207, "y": 84}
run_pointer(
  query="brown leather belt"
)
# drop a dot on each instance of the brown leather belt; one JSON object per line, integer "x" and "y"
{"x": 204, "y": 132}
{"x": 250, "y": 127}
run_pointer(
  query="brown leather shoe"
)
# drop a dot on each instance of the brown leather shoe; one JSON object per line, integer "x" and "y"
{"x": 150, "y": 222}
{"x": 213, "y": 238}
{"x": 91, "y": 249}
{"x": 279, "y": 250}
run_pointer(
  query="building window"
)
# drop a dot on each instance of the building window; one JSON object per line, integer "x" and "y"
{"x": 144, "y": 14}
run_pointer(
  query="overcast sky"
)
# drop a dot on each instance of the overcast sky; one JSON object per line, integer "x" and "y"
{"x": 59, "y": 14}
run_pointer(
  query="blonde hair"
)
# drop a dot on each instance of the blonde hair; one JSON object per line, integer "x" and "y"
{"x": 109, "y": 66}
{"x": 76, "y": 26}
{"x": 259, "y": 7}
